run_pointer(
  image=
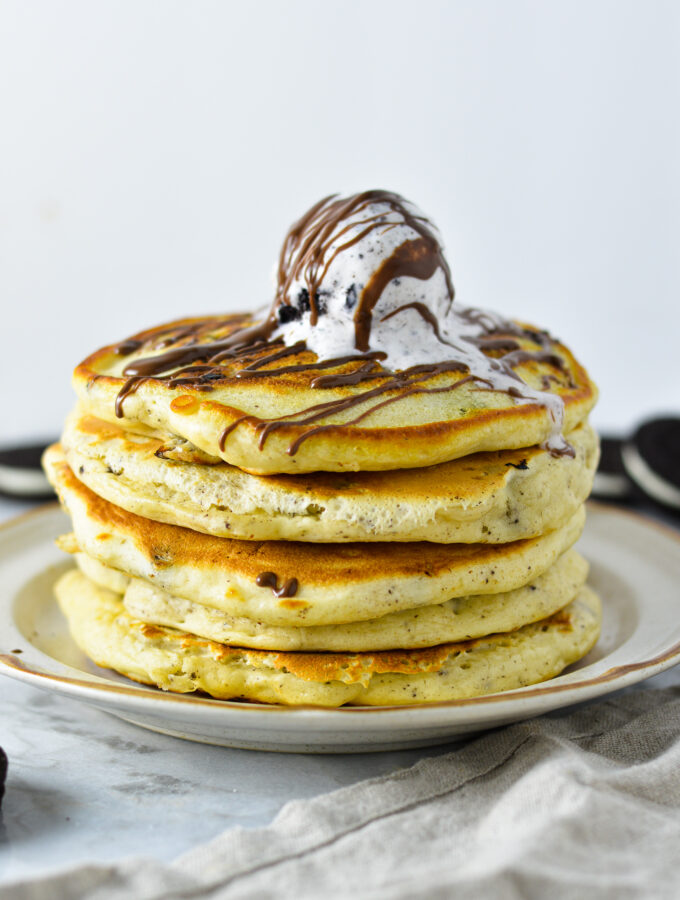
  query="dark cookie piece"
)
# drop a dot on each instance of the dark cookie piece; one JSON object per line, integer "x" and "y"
{"x": 351, "y": 296}
{"x": 611, "y": 481}
{"x": 3, "y": 773}
{"x": 302, "y": 304}
{"x": 21, "y": 474}
{"x": 651, "y": 459}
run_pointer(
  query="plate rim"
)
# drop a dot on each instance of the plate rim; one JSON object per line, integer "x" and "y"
{"x": 91, "y": 688}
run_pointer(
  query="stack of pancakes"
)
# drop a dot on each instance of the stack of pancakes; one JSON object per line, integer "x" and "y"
{"x": 246, "y": 529}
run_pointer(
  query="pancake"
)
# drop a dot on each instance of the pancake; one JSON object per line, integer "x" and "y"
{"x": 492, "y": 497}
{"x": 104, "y": 576}
{"x": 456, "y": 620}
{"x": 318, "y": 584}
{"x": 183, "y": 663}
{"x": 258, "y": 407}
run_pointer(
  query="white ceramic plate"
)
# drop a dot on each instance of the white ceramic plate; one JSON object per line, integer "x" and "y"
{"x": 635, "y": 568}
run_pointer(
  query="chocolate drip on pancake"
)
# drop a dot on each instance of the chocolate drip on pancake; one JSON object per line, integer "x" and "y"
{"x": 125, "y": 348}
{"x": 425, "y": 313}
{"x": 289, "y": 587}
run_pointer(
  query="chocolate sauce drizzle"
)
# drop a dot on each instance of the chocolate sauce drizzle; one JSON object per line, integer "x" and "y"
{"x": 251, "y": 350}
{"x": 289, "y": 587}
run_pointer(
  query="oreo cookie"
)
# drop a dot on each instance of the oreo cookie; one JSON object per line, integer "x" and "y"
{"x": 21, "y": 474}
{"x": 651, "y": 459}
{"x": 611, "y": 481}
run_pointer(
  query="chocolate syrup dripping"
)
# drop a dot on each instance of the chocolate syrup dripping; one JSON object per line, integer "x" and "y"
{"x": 130, "y": 387}
{"x": 397, "y": 381}
{"x": 125, "y": 348}
{"x": 244, "y": 352}
{"x": 306, "y": 254}
{"x": 274, "y": 357}
{"x": 492, "y": 343}
{"x": 245, "y": 338}
{"x": 289, "y": 587}
{"x": 241, "y": 342}
{"x": 414, "y": 259}
{"x": 365, "y": 372}
{"x": 493, "y": 325}
{"x": 306, "y": 367}
{"x": 425, "y": 313}
{"x": 565, "y": 450}
{"x": 180, "y": 356}
{"x": 516, "y": 357}
{"x": 187, "y": 331}
{"x": 175, "y": 333}
{"x": 295, "y": 446}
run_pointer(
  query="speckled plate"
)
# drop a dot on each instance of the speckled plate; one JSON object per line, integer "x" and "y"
{"x": 635, "y": 569}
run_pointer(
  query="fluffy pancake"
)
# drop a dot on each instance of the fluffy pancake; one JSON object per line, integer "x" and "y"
{"x": 335, "y": 583}
{"x": 183, "y": 663}
{"x": 104, "y": 576}
{"x": 264, "y": 416}
{"x": 492, "y": 497}
{"x": 456, "y": 620}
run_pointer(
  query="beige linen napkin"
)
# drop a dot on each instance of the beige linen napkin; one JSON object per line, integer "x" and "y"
{"x": 578, "y": 804}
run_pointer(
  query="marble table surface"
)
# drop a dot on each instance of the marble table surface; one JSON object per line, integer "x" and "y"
{"x": 86, "y": 786}
{"x": 83, "y": 785}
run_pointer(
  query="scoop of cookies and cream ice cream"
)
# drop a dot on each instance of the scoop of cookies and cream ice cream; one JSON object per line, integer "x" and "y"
{"x": 364, "y": 274}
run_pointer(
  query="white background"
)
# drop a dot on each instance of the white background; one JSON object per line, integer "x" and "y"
{"x": 153, "y": 153}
